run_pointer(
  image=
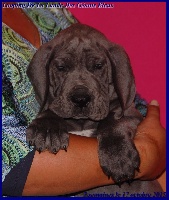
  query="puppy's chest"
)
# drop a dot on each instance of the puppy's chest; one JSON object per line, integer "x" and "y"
{"x": 85, "y": 128}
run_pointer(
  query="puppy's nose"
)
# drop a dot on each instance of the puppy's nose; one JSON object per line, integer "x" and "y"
{"x": 81, "y": 100}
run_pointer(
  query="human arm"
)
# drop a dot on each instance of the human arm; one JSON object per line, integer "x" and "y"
{"x": 16, "y": 19}
{"x": 67, "y": 172}
{"x": 78, "y": 168}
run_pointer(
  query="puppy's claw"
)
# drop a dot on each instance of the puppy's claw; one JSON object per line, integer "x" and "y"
{"x": 54, "y": 151}
{"x": 30, "y": 143}
{"x": 65, "y": 148}
{"x": 129, "y": 182}
{"x": 119, "y": 184}
{"x": 108, "y": 177}
{"x": 138, "y": 170}
{"x": 39, "y": 150}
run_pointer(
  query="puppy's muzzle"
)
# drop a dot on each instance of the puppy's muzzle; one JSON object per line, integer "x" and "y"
{"x": 80, "y": 97}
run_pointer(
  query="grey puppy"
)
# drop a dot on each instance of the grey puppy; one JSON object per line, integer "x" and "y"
{"x": 84, "y": 83}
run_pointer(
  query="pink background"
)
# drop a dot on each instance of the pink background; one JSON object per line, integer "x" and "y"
{"x": 141, "y": 29}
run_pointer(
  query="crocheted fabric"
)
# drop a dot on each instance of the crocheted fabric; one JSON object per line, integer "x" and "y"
{"x": 19, "y": 105}
{"x": 18, "y": 98}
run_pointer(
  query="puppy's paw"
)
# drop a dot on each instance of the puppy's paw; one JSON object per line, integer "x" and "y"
{"x": 48, "y": 133}
{"x": 119, "y": 158}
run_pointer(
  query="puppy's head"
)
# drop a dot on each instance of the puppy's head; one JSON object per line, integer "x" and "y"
{"x": 80, "y": 74}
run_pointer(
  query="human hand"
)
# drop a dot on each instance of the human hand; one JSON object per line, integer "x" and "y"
{"x": 150, "y": 141}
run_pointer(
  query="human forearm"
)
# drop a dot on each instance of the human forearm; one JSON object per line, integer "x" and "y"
{"x": 67, "y": 172}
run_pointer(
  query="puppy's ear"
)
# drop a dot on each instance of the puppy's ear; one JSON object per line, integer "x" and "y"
{"x": 38, "y": 72}
{"x": 122, "y": 77}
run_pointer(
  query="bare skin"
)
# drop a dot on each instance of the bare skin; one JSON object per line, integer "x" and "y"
{"x": 78, "y": 168}
{"x": 19, "y": 22}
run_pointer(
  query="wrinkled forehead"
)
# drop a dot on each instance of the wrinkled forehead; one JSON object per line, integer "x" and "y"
{"x": 81, "y": 46}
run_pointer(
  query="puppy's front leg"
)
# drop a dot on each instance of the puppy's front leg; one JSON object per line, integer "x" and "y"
{"x": 118, "y": 155}
{"x": 48, "y": 131}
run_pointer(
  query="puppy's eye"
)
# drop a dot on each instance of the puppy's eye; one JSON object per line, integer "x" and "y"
{"x": 98, "y": 66}
{"x": 62, "y": 68}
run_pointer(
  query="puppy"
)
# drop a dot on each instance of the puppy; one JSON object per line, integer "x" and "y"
{"x": 84, "y": 83}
